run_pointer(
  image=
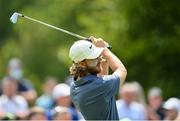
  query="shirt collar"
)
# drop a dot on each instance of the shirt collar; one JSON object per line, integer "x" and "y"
{"x": 84, "y": 80}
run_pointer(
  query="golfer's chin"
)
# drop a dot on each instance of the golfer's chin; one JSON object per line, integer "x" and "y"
{"x": 98, "y": 68}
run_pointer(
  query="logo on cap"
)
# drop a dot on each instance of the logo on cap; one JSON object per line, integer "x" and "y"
{"x": 90, "y": 47}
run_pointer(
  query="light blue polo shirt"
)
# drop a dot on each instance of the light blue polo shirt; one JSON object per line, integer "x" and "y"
{"x": 95, "y": 96}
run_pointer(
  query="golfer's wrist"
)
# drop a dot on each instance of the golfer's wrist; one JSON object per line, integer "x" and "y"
{"x": 106, "y": 52}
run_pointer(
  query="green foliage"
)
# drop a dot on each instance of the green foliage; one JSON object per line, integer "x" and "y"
{"x": 144, "y": 35}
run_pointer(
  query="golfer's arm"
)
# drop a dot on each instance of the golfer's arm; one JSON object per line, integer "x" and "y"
{"x": 115, "y": 64}
{"x": 105, "y": 67}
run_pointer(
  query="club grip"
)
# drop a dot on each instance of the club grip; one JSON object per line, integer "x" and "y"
{"x": 109, "y": 46}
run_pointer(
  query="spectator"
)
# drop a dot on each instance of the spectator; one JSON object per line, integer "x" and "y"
{"x": 155, "y": 110}
{"x": 10, "y": 101}
{"x": 61, "y": 94}
{"x": 62, "y": 113}
{"x": 172, "y": 107}
{"x": 46, "y": 100}
{"x": 139, "y": 93}
{"x": 25, "y": 87}
{"x": 37, "y": 113}
{"x": 128, "y": 107}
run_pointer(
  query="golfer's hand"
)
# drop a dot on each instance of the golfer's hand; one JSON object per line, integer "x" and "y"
{"x": 98, "y": 42}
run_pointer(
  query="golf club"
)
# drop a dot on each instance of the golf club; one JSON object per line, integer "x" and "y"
{"x": 15, "y": 16}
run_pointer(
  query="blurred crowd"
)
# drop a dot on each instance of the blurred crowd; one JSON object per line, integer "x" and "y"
{"x": 19, "y": 100}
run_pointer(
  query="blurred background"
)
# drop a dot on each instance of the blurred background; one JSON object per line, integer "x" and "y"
{"x": 145, "y": 35}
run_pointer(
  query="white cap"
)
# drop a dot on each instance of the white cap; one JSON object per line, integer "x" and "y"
{"x": 172, "y": 103}
{"x": 155, "y": 92}
{"x": 84, "y": 49}
{"x": 61, "y": 90}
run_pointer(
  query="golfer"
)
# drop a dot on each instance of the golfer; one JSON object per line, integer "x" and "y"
{"x": 93, "y": 90}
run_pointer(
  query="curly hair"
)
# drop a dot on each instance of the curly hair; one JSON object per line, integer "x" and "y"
{"x": 78, "y": 70}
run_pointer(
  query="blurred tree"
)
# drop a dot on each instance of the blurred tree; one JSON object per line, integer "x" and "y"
{"x": 153, "y": 34}
{"x": 7, "y": 7}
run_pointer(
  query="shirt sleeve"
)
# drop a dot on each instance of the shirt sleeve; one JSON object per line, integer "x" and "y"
{"x": 111, "y": 84}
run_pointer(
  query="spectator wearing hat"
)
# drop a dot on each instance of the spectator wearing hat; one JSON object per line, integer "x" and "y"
{"x": 61, "y": 94}
{"x": 172, "y": 107}
{"x": 154, "y": 108}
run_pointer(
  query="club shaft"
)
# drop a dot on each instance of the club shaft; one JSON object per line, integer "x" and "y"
{"x": 54, "y": 27}
{"x": 60, "y": 29}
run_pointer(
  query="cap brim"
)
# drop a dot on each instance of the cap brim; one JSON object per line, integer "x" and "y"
{"x": 96, "y": 53}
